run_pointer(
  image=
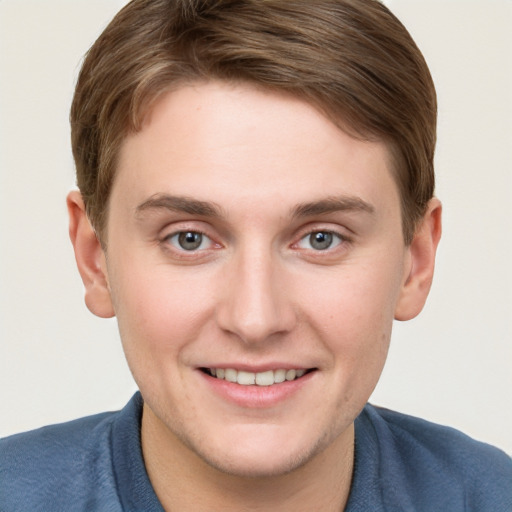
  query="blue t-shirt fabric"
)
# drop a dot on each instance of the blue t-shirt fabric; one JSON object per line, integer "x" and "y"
{"x": 402, "y": 463}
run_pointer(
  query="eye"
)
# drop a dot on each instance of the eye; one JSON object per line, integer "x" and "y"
{"x": 189, "y": 240}
{"x": 320, "y": 240}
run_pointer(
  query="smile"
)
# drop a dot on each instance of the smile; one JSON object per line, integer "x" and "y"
{"x": 267, "y": 378}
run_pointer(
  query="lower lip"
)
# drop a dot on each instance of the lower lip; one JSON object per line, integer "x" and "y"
{"x": 256, "y": 397}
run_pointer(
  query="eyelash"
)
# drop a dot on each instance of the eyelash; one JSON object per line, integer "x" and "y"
{"x": 168, "y": 240}
{"x": 331, "y": 237}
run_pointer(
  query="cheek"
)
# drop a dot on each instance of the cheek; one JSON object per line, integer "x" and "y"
{"x": 355, "y": 299}
{"x": 158, "y": 312}
{"x": 353, "y": 312}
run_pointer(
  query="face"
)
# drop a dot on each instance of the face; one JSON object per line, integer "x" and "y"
{"x": 255, "y": 261}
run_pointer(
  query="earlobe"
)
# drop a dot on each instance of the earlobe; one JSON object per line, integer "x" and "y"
{"x": 90, "y": 258}
{"x": 420, "y": 271}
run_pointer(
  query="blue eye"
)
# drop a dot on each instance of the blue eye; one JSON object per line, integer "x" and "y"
{"x": 320, "y": 240}
{"x": 189, "y": 240}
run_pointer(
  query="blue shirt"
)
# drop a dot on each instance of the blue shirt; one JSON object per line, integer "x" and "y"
{"x": 401, "y": 464}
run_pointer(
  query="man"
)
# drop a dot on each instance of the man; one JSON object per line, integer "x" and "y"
{"x": 256, "y": 207}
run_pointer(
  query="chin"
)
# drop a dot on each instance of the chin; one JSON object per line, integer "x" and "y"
{"x": 256, "y": 467}
{"x": 258, "y": 457}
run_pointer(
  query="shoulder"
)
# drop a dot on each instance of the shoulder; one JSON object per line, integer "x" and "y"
{"x": 54, "y": 467}
{"x": 455, "y": 449}
{"x": 440, "y": 464}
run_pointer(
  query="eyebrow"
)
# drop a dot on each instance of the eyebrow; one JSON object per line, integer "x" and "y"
{"x": 179, "y": 204}
{"x": 188, "y": 205}
{"x": 332, "y": 205}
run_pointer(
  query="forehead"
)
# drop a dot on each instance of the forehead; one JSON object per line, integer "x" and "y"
{"x": 238, "y": 145}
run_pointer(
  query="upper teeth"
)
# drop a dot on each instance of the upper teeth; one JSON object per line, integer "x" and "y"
{"x": 260, "y": 379}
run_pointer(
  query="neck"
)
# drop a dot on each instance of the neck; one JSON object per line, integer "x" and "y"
{"x": 185, "y": 482}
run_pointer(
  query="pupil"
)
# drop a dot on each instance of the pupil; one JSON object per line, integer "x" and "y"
{"x": 320, "y": 241}
{"x": 190, "y": 240}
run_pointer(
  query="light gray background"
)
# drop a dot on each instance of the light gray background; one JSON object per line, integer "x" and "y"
{"x": 452, "y": 365}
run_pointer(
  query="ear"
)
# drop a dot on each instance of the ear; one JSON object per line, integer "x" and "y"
{"x": 90, "y": 258}
{"x": 420, "y": 267}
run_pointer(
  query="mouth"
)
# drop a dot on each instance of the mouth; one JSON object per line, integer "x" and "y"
{"x": 266, "y": 378}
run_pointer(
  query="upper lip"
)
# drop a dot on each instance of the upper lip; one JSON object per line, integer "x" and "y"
{"x": 259, "y": 367}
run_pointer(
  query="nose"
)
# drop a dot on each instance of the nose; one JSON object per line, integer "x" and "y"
{"x": 255, "y": 305}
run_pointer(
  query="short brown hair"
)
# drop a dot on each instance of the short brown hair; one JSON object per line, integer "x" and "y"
{"x": 352, "y": 59}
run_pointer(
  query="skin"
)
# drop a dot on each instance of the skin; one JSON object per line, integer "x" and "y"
{"x": 256, "y": 173}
